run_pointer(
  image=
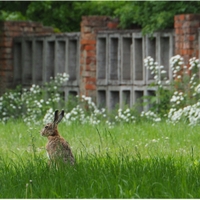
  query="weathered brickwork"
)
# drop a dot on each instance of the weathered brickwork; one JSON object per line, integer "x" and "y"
{"x": 88, "y": 41}
{"x": 8, "y": 31}
{"x": 186, "y": 35}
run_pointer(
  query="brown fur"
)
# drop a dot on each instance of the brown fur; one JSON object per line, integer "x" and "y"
{"x": 57, "y": 147}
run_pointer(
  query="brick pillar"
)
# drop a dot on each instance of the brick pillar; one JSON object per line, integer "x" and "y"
{"x": 90, "y": 25}
{"x": 186, "y": 35}
{"x": 8, "y": 31}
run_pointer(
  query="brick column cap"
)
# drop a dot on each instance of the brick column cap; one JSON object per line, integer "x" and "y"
{"x": 188, "y": 17}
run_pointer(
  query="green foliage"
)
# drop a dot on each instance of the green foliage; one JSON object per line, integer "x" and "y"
{"x": 160, "y": 103}
{"x": 154, "y": 15}
{"x": 66, "y": 16}
{"x": 6, "y": 15}
{"x": 54, "y": 13}
{"x": 20, "y": 6}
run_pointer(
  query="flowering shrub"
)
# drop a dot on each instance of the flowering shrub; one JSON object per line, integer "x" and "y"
{"x": 176, "y": 99}
{"x": 160, "y": 103}
{"x": 182, "y": 99}
{"x": 10, "y": 105}
{"x": 31, "y": 104}
{"x": 189, "y": 113}
{"x": 157, "y": 71}
{"x": 125, "y": 116}
{"x": 85, "y": 112}
{"x": 149, "y": 115}
{"x": 185, "y": 100}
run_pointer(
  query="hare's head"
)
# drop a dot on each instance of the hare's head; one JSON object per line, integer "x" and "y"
{"x": 50, "y": 129}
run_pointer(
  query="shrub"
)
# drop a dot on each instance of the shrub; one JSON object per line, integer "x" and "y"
{"x": 180, "y": 101}
{"x": 31, "y": 104}
{"x": 175, "y": 100}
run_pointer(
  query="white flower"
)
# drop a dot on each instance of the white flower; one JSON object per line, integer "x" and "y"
{"x": 197, "y": 89}
{"x": 163, "y": 72}
{"x": 167, "y": 82}
{"x": 179, "y": 76}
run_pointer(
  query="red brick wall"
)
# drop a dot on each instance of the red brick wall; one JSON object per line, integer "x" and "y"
{"x": 9, "y": 30}
{"x": 186, "y": 35}
{"x": 89, "y": 28}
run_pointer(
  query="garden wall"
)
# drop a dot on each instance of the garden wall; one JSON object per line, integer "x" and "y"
{"x": 8, "y": 31}
{"x": 103, "y": 62}
{"x": 122, "y": 78}
{"x": 36, "y": 59}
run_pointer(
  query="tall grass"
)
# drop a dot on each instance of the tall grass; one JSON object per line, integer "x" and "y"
{"x": 101, "y": 177}
{"x": 128, "y": 161}
{"x": 159, "y": 139}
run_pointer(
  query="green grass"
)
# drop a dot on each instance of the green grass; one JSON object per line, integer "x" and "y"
{"x": 128, "y": 161}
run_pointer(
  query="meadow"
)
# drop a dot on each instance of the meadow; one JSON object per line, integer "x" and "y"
{"x": 119, "y": 154}
{"x": 127, "y": 161}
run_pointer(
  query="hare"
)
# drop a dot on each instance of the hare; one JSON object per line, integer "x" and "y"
{"x": 57, "y": 148}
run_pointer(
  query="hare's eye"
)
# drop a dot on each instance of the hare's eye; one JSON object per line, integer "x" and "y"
{"x": 46, "y": 127}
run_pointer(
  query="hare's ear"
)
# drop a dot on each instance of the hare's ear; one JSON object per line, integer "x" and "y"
{"x": 55, "y": 117}
{"x": 60, "y": 117}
